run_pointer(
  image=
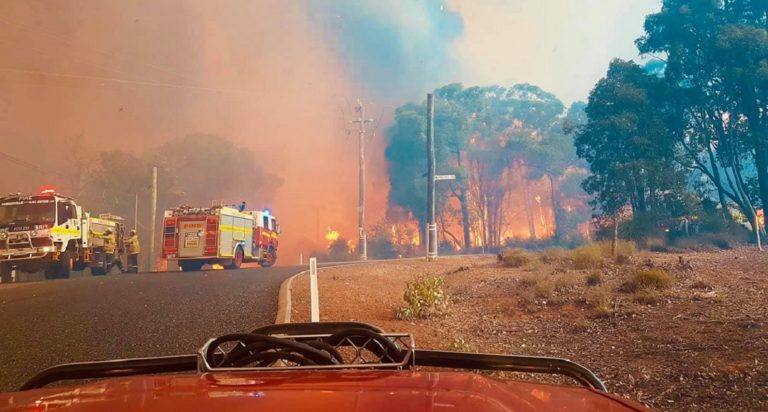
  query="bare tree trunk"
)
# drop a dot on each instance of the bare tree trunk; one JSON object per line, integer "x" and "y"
{"x": 718, "y": 181}
{"x": 555, "y": 206}
{"x": 528, "y": 208}
{"x": 464, "y": 209}
{"x": 465, "y": 219}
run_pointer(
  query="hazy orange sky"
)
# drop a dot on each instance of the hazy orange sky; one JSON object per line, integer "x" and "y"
{"x": 83, "y": 76}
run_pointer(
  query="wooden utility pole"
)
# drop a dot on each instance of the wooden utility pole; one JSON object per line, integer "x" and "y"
{"x": 136, "y": 213}
{"x": 151, "y": 260}
{"x": 362, "y": 245}
{"x": 431, "y": 234}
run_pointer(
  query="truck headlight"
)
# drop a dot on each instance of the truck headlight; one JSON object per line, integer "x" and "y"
{"x": 34, "y": 233}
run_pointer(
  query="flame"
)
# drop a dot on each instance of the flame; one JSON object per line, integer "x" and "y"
{"x": 217, "y": 266}
{"x": 331, "y": 235}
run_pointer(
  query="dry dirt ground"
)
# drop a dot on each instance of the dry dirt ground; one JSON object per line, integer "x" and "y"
{"x": 700, "y": 344}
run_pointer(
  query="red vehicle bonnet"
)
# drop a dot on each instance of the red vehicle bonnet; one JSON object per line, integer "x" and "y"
{"x": 315, "y": 391}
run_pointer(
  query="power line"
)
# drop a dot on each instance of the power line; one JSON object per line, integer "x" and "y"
{"x": 23, "y": 163}
{"x": 123, "y": 81}
{"x": 42, "y": 30}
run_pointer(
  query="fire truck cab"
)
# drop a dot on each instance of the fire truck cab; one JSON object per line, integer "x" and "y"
{"x": 219, "y": 235}
{"x": 45, "y": 232}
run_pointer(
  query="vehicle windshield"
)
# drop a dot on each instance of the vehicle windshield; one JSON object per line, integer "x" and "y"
{"x": 40, "y": 212}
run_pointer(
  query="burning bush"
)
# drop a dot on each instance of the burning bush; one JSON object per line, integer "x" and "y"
{"x": 424, "y": 298}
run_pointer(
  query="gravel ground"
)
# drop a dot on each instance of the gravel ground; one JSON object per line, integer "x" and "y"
{"x": 700, "y": 345}
{"x": 122, "y": 316}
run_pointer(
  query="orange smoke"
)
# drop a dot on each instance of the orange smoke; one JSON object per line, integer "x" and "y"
{"x": 93, "y": 76}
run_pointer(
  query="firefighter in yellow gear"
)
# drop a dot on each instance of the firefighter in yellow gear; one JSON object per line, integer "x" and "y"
{"x": 133, "y": 248}
{"x": 110, "y": 249}
{"x": 109, "y": 242}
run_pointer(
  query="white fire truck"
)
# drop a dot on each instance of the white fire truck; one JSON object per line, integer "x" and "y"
{"x": 219, "y": 235}
{"x": 46, "y": 232}
{"x": 107, "y": 227}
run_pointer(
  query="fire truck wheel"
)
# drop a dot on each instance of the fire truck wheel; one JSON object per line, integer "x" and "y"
{"x": 80, "y": 263}
{"x": 237, "y": 261}
{"x": 190, "y": 266}
{"x": 270, "y": 261}
{"x": 62, "y": 268}
{"x": 101, "y": 269}
{"x": 5, "y": 273}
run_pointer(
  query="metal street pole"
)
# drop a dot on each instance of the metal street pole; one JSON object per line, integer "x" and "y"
{"x": 151, "y": 260}
{"x": 431, "y": 224}
{"x": 362, "y": 245}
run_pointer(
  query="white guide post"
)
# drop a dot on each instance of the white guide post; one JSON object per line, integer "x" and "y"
{"x": 313, "y": 295}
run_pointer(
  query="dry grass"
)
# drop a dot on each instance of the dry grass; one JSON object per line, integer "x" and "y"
{"x": 700, "y": 284}
{"x": 554, "y": 255}
{"x": 458, "y": 344}
{"x": 516, "y": 258}
{"x": 599, "y": 299}
{"x": 588, "y": 257}
{"x": 648, "y": 297}
{"x": 542, "y": 285}
{"x": 623, "y": 248}
{"x": 647, "y": 279}
{"x": 594, "y": 279}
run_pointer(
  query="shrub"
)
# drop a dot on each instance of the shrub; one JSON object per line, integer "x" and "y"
{"x": 424, "y": 298}
{"x": 648, "y": 297}
{"x": 656, "y": 244}
{"x": 515, "y": 258}
{"x": 600, "y": 300}
{"x": 594, "y": 279}
{"x": 719, "y": 240}
{"x": 623, "y": 247}
{"x": 553, "y": 254}
{"x": 564, "y": 282}
{"x": 700, "y": 284}
{"x": 458, "y": 344}
{"x": 643, "y": 225}
{"x": 647, "y": 279}
{"x": 622, "y": 260}
{"x": 587, "y": 257}
{"x": 539, "y": 284}
{"x": 544, "y": 288}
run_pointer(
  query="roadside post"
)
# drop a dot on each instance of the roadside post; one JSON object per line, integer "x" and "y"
{"x": 759, "y": 222}
{"x": 313, "y": 294}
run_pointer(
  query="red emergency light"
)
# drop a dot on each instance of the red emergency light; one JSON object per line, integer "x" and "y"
{"x": 47, "y": 190}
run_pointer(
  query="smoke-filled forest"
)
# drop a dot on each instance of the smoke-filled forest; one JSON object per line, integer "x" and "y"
{"x": 659, "y": 138}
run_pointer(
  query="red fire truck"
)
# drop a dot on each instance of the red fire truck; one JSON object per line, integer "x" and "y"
{"x": 220, "y": 235}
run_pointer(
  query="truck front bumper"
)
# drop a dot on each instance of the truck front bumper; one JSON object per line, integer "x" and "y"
{"x": 25, "y": 254}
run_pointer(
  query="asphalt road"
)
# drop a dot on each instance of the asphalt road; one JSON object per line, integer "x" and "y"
{"x": 122, "y": 316}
